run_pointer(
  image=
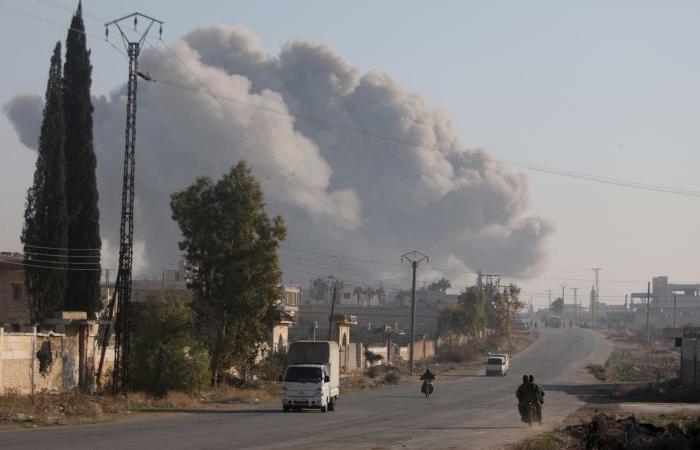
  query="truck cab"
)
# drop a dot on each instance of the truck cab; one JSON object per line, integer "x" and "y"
{"x": 498, "y": 364}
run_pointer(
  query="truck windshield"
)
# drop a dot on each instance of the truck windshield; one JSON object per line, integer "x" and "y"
{"x": 494, "y": 361}
{"x": 303, "y": 374}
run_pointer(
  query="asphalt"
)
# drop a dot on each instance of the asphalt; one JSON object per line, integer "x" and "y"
{"x": 474, "y": 412}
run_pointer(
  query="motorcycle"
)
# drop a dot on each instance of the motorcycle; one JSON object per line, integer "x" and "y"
{"x": 427, "y": 388}
{"x": 529, "y": 413}
{"x": 532, "y": 414}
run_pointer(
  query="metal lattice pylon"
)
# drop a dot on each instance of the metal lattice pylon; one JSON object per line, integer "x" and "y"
{"x": 119, "y": 304}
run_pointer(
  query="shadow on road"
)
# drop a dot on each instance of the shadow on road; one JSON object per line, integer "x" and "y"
{"x": 472, "y": 428}
{"x": 591, "y": 393}
{"x": 214, "y": 411}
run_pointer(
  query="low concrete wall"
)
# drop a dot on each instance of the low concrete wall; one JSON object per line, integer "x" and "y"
{"x": 34, "y": 362}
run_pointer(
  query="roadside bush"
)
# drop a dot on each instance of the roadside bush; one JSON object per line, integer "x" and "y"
{"x": 372, "y": 357}
{"x": 272, "y": 367}
{"x": 165, "y": 354}
{"x": 376, "y": 371}
{"x": 458, "y": 353}
{"x": 392, "y": 377}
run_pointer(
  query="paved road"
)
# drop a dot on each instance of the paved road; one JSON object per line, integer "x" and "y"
{"x": 475, "y": 412}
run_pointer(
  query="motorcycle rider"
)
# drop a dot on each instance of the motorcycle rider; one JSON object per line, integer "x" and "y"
{"x": 524, "y": 393}
{"x": 539, "y": 394}
{"x": 427, "y": 375}
{"x": 427, "y": 378}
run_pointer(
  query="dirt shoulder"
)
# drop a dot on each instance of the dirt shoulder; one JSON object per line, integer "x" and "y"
{"x": 632, "y": 360}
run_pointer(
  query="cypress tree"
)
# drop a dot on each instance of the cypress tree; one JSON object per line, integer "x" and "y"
{"x": 83, "y": 292}
{"x": 45, "y": 232}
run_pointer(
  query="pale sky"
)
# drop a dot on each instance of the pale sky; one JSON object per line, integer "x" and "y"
{"x": 599, "y": 87}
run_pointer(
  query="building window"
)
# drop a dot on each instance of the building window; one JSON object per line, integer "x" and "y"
{"x": 17, "y": 291}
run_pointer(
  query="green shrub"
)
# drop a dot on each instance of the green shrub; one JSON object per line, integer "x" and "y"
{"x": 392, "y": 377}
{"x": 165, "y": 354}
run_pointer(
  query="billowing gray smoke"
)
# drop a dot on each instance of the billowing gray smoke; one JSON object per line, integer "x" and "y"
{"x": 340, "y": 190}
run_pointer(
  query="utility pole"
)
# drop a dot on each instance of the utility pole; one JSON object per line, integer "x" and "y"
{"x": 577, "y": 310}
{"x": 122, "y": 289}
{"x": 563, "y": 301}
{"x": 549, "y": 293}
{"x": 330, "y": 318}
{"x": 596, "y": 300}
{"x": 415, "y": 258}
{"x": 674, "y": 311}
{"x": 648, "y": 297}
{"x": 107, "y": 271}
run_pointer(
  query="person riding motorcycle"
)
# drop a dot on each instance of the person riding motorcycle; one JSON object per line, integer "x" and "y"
{"x": 427, "y": 378}
{"x": 539, "y": 392}
{"x": 528, "y": 392}
{"x": 523, "y": 393}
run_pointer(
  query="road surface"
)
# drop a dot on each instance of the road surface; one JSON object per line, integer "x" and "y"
{"x": 474, "y": 412}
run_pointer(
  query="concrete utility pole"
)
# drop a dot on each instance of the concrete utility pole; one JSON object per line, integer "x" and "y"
{"x": 648, "y": 297}
{"x": 549, "y": 293}
{"x": 674, "y": 311}
{"x": 577, "y": 310}
{"x": 415, "y": 258}
{"x": 330, "y": 318}
{"x": 594, "y": 313}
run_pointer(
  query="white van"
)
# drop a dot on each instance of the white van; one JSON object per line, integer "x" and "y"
{"x": 498, "y": 364}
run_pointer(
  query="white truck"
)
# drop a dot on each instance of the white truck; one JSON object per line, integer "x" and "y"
{"x": 312, "y": 378}
{"x": 498, "y": 364}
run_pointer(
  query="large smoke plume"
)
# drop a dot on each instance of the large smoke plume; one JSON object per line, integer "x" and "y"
{"x": 344, "y": 188}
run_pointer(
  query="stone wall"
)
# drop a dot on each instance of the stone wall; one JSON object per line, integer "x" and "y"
{"x": 47, "y": 361}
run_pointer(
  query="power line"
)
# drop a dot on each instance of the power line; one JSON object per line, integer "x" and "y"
{"x": 22, "y": 258}
{"x": 64, "y": 248}
{"x": 62, "y": 255}
{"x": 44, "y": 267}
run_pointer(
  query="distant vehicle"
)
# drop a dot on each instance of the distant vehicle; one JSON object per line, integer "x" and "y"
{"x": 554, "y": 322}
{"x": 312, "y": 378}
{"x": 521, "y": 325}
{"x": 498, "y": 364}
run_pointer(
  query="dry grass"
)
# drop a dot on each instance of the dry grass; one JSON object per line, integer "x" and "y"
{"x": 631, "y": 362}
{"x": 57, "y": 409}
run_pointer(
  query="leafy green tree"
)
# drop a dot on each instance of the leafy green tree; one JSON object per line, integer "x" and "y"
{"x": 557, "y": 306}
{"x": 441, "y": 285}
{"x": 83, "y": 291}
{"x": 165, "y": 354}
{"x": 472, "y": 308}
{"x": 45, "y": 217}
{"x": 502, "y": 308}
{"x": 233, "y": 246}
{"x": 467, "y": 317}
{"x": 322, "y": 288}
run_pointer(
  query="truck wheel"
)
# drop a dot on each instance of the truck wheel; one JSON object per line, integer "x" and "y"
{"x": 324, "y": 408}
{"x": 285, "y": 408}
{"x": 331, "y": 405}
